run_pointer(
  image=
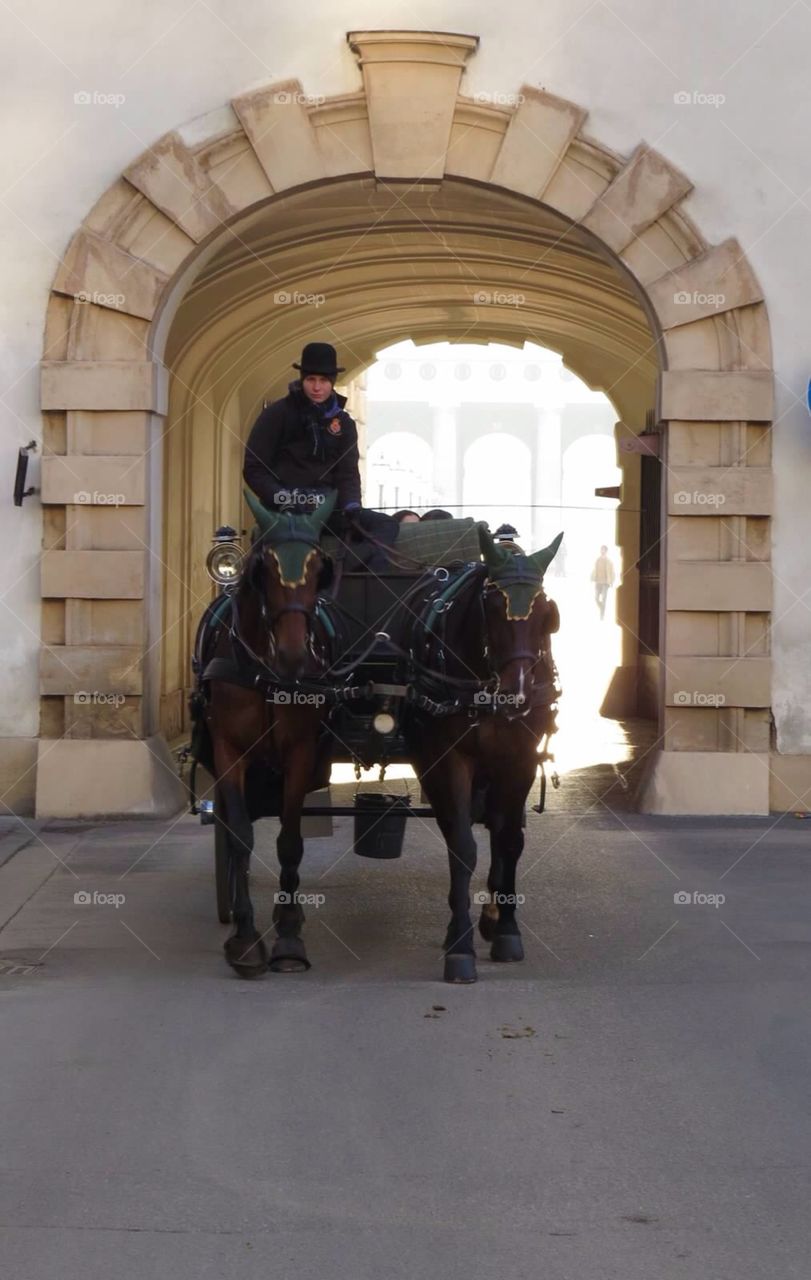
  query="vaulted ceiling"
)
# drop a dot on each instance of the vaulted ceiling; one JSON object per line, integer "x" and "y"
{"x": 364, "y": 264}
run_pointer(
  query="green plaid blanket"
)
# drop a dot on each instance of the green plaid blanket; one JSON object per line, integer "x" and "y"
{"x": 435, "y": 542}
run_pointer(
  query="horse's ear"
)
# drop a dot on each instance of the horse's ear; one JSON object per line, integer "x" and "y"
{"x": 494, "y": 555}
{"x": 323, "y": 511}
{"x": 264, "y": 518}
{"x": 542, "y": 559}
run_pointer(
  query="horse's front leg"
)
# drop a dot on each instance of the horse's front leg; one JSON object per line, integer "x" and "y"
{"x": 507, "y": 836}
{"x": 448, "y": 787}
{"x": 488, "y": 917}
{"x": 244, "y": 950}
{"x": 288, "y": 953}
{"x": 507, "y": 844}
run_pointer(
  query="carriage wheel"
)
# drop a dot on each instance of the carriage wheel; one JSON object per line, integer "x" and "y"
{"x": 223, "y": 867}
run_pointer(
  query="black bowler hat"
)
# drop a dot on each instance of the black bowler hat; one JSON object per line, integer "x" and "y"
{"x": 319, "y": 357}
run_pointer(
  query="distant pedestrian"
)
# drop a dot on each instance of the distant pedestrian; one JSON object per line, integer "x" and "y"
{"x": 603, "y": 576}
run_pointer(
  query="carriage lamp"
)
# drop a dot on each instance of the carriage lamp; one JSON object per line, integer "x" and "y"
{"x": 224, "y": 560}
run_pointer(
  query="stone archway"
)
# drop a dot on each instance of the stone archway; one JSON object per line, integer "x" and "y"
{"x": 105, "y": 392}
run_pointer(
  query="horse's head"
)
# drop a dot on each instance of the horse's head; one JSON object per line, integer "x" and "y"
{"x": 518, "y": 618}
{"x": 286, "y": 568}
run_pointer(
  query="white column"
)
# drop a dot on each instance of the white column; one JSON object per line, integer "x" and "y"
{"x": 445, "y": 448}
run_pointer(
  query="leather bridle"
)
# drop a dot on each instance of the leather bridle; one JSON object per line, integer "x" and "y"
{"x": 270, "y": 619}
{"x": 468, "y": 688}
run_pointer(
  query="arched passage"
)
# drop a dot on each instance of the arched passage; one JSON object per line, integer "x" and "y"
{"x": 426, "y": 226}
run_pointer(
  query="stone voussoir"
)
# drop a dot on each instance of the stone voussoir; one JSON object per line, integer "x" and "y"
{"x": 538, "y": 136}
{"x": 96, "y": 271}
{"x": 719, "y": 280}
{"x": 645, "y": 189}
{"x": 169, "y": 175}
{"x": 278, "y": 127}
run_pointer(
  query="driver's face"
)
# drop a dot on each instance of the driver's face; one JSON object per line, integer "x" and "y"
{"x": 316, "y": 387}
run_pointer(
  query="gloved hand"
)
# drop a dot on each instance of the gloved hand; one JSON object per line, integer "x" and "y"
{"x": 351, "y": 515}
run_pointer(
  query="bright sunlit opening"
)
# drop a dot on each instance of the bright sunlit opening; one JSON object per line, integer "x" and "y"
{"x": 506, "y": 434}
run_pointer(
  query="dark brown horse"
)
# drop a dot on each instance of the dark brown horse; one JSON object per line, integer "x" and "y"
{"x": 267, "y": 725}
{"x": 494, "y": 651}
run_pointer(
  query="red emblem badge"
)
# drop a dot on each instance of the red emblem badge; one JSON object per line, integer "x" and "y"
{"x": 334, "y": 427}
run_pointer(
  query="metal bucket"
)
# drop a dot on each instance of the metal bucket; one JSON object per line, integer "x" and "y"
{"x": 380, "y": 822}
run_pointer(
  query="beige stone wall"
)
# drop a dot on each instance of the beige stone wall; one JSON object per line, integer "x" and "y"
{"x": 620, "y": 287}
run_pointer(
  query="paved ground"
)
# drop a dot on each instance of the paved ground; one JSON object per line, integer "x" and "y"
{"x": 632, "y": 1102}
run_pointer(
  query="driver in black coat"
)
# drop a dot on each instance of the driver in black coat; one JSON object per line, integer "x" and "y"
{"x": 306, "y": 443}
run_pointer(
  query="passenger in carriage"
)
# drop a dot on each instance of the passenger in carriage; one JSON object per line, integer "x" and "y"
{"x": 506, "y": 535}
{"x": 305, "y": 444}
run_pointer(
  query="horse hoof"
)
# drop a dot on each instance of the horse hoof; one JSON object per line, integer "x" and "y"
{"x": 287, "y": 955}
{"x": 507, "y": 947}
{"x": 487, "y": 926}
{"x": 246, "y": 957}
{"x": 460, "y": 968}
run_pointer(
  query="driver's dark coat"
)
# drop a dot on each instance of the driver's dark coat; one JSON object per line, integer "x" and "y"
{"x": 289, "y": 448}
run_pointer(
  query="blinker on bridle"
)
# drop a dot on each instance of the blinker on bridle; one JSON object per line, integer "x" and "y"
{"x": 517, "y": 581}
